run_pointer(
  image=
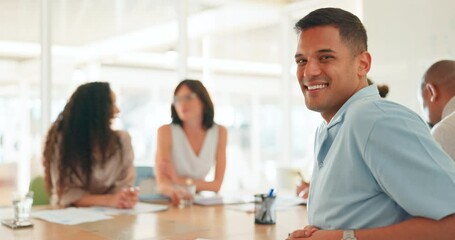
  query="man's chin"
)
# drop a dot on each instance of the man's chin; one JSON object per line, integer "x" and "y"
{"x": 313, "y": 107}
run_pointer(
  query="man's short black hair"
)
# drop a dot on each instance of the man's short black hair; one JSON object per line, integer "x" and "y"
{"x": 351, "y": 29}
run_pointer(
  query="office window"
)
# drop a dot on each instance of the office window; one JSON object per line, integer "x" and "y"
{"x": 233, "y": 47}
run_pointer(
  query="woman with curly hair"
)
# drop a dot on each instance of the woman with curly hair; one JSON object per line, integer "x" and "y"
{"x": 86, "y": 162}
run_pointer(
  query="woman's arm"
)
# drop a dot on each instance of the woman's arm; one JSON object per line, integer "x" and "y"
{"x": 127, "y": 173}
{"x": 126, "y": 198}
{"x": 163, "y": 161}
{"x": 220, "y": 165}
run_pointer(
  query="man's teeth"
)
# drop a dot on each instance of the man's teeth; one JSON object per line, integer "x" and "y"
{"x": 314, "y": 87}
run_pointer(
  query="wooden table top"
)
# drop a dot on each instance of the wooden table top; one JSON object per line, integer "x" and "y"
{"x": 195, "y": 222}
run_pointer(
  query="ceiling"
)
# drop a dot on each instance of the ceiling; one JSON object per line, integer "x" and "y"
{"x": 106, "y": 30}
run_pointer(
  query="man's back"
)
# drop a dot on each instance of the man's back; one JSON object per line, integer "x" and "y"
{"x": 444, "y": 131}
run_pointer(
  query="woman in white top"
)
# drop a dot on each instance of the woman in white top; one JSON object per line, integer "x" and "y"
{"x": 191, "y": 145}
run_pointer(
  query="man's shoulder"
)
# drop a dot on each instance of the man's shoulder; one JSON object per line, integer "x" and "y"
{"x": 371, "y": 110}
{"x": 445, "y": 126}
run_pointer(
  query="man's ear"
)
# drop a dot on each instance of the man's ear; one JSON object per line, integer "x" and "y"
{"x": 364, "y": 63}
{"x": 432, "y": 90}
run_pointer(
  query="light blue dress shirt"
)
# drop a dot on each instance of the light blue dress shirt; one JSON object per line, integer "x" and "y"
{"x": 377, "y": 165}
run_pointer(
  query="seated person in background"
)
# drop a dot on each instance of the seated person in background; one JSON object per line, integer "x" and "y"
{"x": 86, "y": 162}
{"x": 438, "y": 101}
{"x": 191, "y": 145}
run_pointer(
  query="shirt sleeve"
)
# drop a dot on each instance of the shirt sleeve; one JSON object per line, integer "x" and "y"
{"x": 70, "y": 194}
{"x": 410, "y": 167}
{"x": 127, "y": 173}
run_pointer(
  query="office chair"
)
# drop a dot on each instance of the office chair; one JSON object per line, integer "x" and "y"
{"x": 145, "y": 180}
{"x": 40, "y": 196}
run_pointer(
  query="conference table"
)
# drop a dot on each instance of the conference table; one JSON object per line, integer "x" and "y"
{"x": 194, "y": 222}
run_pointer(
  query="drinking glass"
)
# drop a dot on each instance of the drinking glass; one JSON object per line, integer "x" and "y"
{"x": 22, "y": 205}
{"x": 185, "y": 201}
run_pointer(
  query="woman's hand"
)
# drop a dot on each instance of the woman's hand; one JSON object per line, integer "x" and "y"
{"x": 178, "y": 194}
{"x": 125, "y": 198}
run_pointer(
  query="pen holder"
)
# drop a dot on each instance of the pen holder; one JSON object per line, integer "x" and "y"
{"x": 264, "y": 208}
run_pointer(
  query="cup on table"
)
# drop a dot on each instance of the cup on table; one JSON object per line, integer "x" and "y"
{"x": 22, "y": 205}
{"x": 187, "y": 193}
{"x": 265, "y": 209}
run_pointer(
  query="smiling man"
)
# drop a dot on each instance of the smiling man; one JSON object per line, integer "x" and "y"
{"x": 378, "y": 174}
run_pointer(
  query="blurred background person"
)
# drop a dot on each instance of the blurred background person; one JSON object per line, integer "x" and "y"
{"x": 86, "y": 162}
{"x": 438, "y": 102}
{"x": 191, "y": 145}
{"x": 382, "y": 88}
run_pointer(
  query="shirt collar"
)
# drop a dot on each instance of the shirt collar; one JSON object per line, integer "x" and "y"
{"x": 449, "y": 108}
{"x": 369, "y": 91}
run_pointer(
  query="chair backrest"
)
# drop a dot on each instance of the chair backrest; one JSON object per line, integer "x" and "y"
{"x": 145, "y": 179}
{"x": 40, "y": 196}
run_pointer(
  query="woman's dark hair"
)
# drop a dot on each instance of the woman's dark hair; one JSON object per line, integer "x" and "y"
{"x": 382, "y": 88}
{"x": 81, "y": 136}
{"x": 208, "y": 111}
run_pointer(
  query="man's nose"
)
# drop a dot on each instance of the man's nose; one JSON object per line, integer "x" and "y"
{"x": 312, "y": 69}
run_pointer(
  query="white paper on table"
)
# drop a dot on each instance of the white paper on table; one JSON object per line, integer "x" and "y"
{"x": 138, "y": 208}
{"x": 208, "y": 199}
{"x": 6, "y": 212}
{"x": 282, "y": 203}
{"x": 70, "y": 216}
{"x": 247, "y": 207}
{"x": 286, "y": 202}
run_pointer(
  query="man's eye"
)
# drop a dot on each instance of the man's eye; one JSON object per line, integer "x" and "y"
{"x": 326, "y": 57}
{"x": 301, "y": 62}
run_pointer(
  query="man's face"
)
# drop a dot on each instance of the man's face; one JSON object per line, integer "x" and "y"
{"x": 327, "y": 71}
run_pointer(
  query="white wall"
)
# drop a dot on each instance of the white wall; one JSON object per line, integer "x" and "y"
{"x": 405, "y": 38}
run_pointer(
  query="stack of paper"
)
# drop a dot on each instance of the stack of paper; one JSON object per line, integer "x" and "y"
{"x": 208, "y": 200}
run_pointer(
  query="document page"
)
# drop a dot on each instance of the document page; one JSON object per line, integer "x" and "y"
{"x": 72, "y": 215}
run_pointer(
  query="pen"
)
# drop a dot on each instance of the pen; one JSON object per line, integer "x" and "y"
{"x": 270, "y": 193}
